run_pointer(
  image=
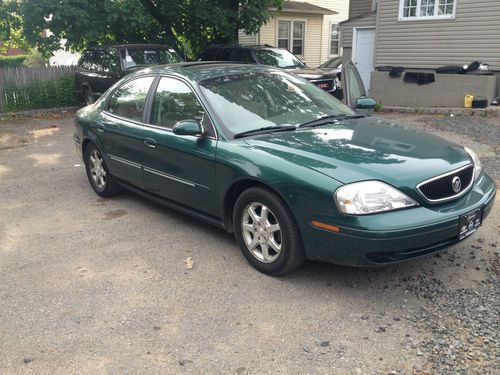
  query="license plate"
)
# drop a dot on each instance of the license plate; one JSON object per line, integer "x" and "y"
{"x": 469, "y": 222}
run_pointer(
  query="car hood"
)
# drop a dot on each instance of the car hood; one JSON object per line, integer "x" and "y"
{"x": 367, "y": 148}
{"x": 310, "y": 74}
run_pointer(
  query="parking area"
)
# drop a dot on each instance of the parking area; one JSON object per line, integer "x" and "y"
{"x": 89, "y": 285}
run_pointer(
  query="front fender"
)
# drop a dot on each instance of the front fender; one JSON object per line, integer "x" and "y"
{"x": 300, "y": 187}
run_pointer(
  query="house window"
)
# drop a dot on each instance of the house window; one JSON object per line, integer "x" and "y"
{"x": 291, "y": 36}
{"x": 426, "y": 9}
{"x": 334, "y": 39}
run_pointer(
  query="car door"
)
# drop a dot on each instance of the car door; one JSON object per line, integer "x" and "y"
{"x": 354, "y": 91}
{"x": 352, "y": 85}
{"x": 179, "y": 168}
{"x": 121, "y": 132}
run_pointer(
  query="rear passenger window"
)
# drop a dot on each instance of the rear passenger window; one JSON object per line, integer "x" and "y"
{"x": 242, "y": 55}
{"x": 209, "y": 55}
{"x": 109, "y": 61}
{"x": 225, "y": 54}
{"x": 129, "y": 100}
{"x": 174, "y": 101}
{"x": 86, "y": 60}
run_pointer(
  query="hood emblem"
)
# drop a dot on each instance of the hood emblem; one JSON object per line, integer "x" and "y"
{"x": 456, "y": 184}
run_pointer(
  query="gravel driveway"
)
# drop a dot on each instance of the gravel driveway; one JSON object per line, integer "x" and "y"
{"x": 89, "y": 285}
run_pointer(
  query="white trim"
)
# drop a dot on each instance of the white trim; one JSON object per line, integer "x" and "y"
{"x": 426, "y": 18}
{"x": 330, "y": 54}
{"x": 290, "y": 32}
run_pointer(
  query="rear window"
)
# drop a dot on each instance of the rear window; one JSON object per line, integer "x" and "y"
{"x": 279, "y": 58}
{"x": 134, "y": 57}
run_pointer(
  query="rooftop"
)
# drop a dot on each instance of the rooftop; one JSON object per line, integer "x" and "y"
{"x": 299, "y": 7}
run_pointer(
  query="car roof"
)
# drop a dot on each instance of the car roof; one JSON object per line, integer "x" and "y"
{"x": 247, "y": 46}
{"x": 133, "y": 45}
{"x": 201, "y": 70}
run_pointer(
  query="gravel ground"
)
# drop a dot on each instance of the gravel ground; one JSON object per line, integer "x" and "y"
{"x": 89, "y": 285}
{"x": 464, "y": 323}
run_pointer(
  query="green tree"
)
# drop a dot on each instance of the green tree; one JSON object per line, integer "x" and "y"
{"x": 11, "y": 33}
{"x": 186, "y": 24}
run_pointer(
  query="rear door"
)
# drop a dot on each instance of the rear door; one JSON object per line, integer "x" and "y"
{"x": 179, "y": 168}
{"x": 121, "y": 131}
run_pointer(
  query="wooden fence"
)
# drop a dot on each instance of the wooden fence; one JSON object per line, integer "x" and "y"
{"x": 24, "y": 88}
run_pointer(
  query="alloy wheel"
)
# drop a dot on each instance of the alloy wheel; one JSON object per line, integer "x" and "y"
{"x": 97, "y": 171}
{"x": 261, "y": 232}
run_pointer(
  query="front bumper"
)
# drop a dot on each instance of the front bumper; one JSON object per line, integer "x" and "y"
{"x": 77, "y": 146}
{"x": 394, "y": 236}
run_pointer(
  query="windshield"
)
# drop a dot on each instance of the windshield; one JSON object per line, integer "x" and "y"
{"x": 279, "y": 58}
{"x": 250, "y": 101}
{"x": 333, "y": 63}
{"x": 133, "y": 57}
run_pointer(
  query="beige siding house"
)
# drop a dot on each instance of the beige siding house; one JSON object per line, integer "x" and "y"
{"x": 422, "y": 35}
{"x": 308, "y": 29}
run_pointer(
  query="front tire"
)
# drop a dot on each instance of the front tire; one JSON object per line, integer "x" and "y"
{"x": 98, "y": 174}
{"x": 267, "y": 233}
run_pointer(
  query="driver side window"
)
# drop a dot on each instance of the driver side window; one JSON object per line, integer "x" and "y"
{"x": 174, "y": 101}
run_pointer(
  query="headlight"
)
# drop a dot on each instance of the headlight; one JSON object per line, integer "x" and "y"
{"x": 477, "y": 163}
{"x": 368, "y": 197}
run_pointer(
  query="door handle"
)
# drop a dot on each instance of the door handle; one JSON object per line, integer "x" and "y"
{"x": 100, "y": 128}
{"x": 151, "y": 143}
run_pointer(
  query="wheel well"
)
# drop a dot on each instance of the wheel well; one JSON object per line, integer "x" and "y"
{"x": 232, "y": 195}
{"x": 85, "y": 143}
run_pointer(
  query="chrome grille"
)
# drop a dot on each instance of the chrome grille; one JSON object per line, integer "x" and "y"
{"x": 440, "y": 188}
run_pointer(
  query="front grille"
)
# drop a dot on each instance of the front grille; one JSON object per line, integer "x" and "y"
{"x": 440, "y": 188}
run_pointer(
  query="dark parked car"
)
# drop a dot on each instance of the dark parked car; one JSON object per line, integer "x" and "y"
{"x": 333, "y": 65}
{"x": 292, "y": 171}
{"x": 277, "y": 57}
{"x": 102, "y": 66}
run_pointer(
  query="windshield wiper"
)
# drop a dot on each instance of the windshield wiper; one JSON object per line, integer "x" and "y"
{"x": 267, "y": 129}
{"x": 324, "y": 120}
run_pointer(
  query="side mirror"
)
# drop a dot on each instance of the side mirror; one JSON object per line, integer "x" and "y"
{"x": 188, "y": 127}
{"x": 365, "y": 103}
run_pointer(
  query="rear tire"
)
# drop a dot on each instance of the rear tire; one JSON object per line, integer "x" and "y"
{"x": 98, "y": 174}
{"x": 267, "y": 233}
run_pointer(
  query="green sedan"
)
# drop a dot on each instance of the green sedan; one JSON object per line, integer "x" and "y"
{"x": 292, "y": 171}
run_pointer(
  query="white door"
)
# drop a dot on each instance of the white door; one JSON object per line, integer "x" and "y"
{"x": 364, "y": 54}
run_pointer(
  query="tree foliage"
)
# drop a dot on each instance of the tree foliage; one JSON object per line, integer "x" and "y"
{"x": 186, "y": 24}
{"x": 11, "y": 32}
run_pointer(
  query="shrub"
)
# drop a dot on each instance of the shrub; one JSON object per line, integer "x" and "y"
{"x": 39, "y": 94}
{"x": 12, "y": 61}
{"x": 378, "y": 107}
{"x": 35, "y": 59}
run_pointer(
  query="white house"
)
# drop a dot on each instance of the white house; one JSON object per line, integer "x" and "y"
{"x": 308, "y": 29}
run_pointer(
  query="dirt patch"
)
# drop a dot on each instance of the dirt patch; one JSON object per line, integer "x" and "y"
{"x": 115, "y": 214}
